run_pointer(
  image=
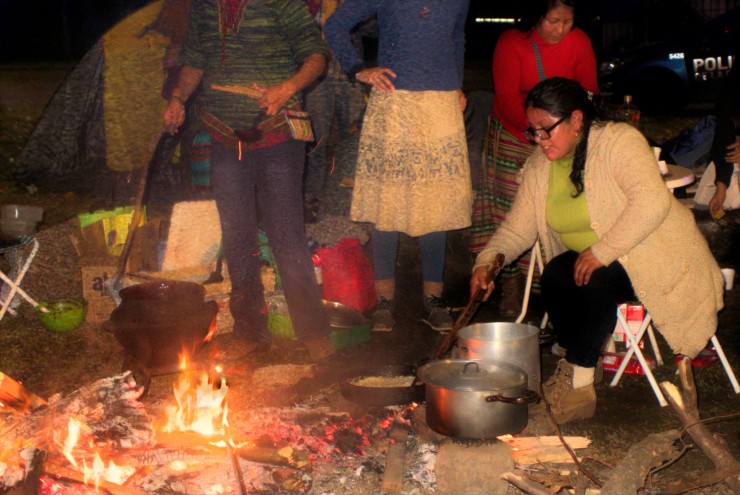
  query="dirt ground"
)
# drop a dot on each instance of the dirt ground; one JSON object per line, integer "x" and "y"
{"x": 49, "y": 363}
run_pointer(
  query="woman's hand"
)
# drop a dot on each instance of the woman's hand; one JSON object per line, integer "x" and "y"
{"x": 463, "y": 100}
{"x": 715, "y": 204}
{"x": 585, "y": 265}
{"x": 733, "y": 153}
{"x": 377, "y": 77}
{"x": 174, "y": 115}
{"x": 478, "y": 280}
{"x": 274, "y": 97}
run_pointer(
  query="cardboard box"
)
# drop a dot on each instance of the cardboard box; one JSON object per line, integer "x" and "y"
{"x": 99, "y": 303}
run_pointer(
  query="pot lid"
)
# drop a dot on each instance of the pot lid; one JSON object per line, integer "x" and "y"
{"x": 472, "y": 375}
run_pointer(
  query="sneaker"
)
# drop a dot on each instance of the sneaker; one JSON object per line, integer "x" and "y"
{"x": 437, "y": 314}
{"x": 382, "y": 316}
{"x": 568, "y": 403}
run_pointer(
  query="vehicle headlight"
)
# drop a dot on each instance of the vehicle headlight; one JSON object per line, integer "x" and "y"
{"x": 609, "y": 66}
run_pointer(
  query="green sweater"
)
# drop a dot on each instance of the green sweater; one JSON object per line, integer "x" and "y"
{"x": 269, "y": 44}
{"x": 568, "y": 215}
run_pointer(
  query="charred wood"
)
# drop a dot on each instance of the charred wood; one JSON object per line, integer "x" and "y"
{"x": 629, "y": 475}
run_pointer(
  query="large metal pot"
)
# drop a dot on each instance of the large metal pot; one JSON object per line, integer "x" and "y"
{"x": 513, "y": 343}
{"x": 472, "y": 399}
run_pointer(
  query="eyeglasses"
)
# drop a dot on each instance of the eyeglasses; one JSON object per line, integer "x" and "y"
{"x": 542, "y": 133}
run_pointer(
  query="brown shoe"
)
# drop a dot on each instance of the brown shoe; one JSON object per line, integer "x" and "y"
{"x": 512, "y": 289}
{"x": 568, "y": 403}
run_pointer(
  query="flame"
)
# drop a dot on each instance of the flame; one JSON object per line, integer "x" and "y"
{"x": 200, "y": 408}
{"x": 99, "y": 472}
{"x": 73, "y": 436}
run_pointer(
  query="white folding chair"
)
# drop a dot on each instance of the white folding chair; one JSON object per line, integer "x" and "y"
{"x": 634, "y": 340}
{"x": 535, "y": 259}
{"x": 15, "y": 283}
{"x": 634, "y": 348}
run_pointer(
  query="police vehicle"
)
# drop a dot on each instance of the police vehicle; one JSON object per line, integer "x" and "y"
{"x": 668, "y": 75}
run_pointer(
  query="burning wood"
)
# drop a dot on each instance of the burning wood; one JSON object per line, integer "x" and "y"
{"x": 16, "y": 398}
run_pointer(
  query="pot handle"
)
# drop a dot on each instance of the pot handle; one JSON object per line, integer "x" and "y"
{"x": 529, "y": 397}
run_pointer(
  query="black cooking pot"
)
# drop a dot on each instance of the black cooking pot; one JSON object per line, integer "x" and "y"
{"x": 164, "y": 291}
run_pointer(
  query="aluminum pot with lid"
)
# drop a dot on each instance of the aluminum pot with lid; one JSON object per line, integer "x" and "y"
{"x": 472, "y": 399}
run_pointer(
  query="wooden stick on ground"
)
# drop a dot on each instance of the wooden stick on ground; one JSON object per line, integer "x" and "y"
{"x": 394, "y": 460}
{"x": 629, "y": 475}
{"x": 524, "y": 484}
{"x": 685, "y": 406}
{"x": 65, "y": 474}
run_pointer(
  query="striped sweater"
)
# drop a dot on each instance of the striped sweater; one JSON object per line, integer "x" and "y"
{"x": 267, "y": 45}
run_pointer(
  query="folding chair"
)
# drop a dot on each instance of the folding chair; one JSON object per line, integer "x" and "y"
{"x": 14, "y": 283}
{"x": 634, "y": 348}
{"x": 535, "y": 259}
{"x": 634, "y": 340}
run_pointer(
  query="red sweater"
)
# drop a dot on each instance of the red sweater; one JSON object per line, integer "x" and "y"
{"x": 515, "y": 71}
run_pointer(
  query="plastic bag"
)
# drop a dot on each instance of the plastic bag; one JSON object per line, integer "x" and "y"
{"x": 347, "y": 274}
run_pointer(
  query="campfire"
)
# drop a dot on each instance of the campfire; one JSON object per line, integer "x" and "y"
{"x": 101, "y": 438}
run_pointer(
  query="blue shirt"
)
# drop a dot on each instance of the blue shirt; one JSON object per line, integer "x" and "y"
{"x": 422, "y": 41}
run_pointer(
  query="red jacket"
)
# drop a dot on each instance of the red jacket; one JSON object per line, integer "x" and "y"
{"x": 515, "y": 71}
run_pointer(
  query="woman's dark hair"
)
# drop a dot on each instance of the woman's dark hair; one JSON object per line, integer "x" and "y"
{"x": 560, "y": 97}
{"x": 535, "y": 10}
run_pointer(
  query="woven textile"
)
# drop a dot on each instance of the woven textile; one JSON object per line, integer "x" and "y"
{"x": 499, "y": 183}
{"x": 413, "y": 174}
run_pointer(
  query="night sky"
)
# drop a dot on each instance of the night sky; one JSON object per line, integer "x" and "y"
{"x": 34, "y": 30}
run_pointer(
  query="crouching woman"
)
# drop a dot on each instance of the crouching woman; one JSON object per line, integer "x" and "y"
{"x": 611, "y": 232}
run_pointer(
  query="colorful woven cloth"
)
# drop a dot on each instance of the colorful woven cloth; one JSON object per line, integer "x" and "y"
{"x": 499, "y": 182}
{"x": 200, "y": 160}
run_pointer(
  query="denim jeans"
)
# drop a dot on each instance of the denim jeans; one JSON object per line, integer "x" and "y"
{"x": 264, "y": 189}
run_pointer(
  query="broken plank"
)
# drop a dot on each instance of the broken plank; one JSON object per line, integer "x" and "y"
{"x": 534, "y": 450}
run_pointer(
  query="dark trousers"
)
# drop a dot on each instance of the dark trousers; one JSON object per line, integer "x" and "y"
{"x": 584, "y": 316}
{"x": 264, "y": 188}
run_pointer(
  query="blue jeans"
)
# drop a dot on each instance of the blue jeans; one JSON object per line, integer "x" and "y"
{"x": 264, "y": 187}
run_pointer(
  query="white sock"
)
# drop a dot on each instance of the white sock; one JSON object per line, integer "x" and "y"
{"x": 582, "y": 377}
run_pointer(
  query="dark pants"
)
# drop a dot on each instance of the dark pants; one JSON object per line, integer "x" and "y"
{"x": 584, "y": 316}
{"x": 265, "y": 187}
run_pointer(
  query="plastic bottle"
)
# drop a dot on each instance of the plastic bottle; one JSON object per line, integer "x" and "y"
{"x": 628, "y": 112}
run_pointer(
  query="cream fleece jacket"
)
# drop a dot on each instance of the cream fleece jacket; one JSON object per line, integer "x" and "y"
{"x": 639, "y": 223}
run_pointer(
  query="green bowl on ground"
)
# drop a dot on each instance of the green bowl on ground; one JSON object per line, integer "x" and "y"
{"x": 62, "y": 316}
{"x": 349, "y": 326}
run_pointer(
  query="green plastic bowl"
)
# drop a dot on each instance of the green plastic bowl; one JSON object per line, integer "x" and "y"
{"x": 63, "y": 316}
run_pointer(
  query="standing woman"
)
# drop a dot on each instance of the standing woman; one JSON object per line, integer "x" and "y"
{"x": 413, "y": 174}
{"x": 545, "y": 45}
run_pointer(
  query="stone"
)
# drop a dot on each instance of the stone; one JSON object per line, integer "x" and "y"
{"x": 465, "y": 469}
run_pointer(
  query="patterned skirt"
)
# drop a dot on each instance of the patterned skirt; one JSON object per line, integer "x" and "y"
{"x": 413, "y": 174}
{"x": 500, "y": 177}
